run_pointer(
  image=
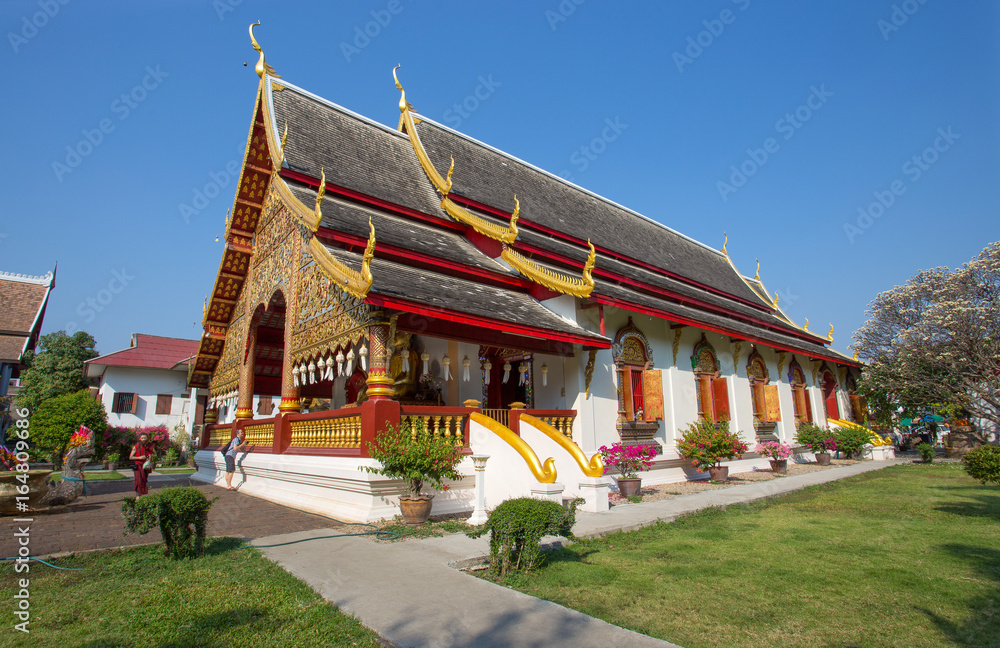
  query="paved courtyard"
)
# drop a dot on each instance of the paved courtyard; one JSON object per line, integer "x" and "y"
{"x": 95, "y": 521}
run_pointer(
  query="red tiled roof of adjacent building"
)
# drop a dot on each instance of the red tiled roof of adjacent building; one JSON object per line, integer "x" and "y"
{"x": 150, "y": 351}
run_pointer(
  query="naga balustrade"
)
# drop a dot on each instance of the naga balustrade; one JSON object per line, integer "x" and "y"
{"x": 345, "y": 432}
{"x": 561, "y": 420}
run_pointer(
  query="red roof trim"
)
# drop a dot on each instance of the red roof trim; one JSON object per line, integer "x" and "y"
{"x": 473, "y": 320}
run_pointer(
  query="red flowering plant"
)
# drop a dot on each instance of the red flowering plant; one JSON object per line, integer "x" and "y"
{"x": 629, "y": 460}
{"x": 706, "y": 444}
{"x": 414, "y": 453}
{"x": 818, "y": 439}
{"x": 8, "y": 460}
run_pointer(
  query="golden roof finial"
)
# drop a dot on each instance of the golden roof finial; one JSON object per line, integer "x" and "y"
{"x": 451, "y": 169}
{"x": 588, "y": 278}
{"x": 775, "y": 304}
{"x": 319, "y": 198}
{"x": 227, "y": 217}
{"x": 204, "y": 307}
{"x": 855, "y": 356}
{"x": 806, "y": 327}
{"x": 829, "y": 336}
{"x": 757, "y": 276}
{"x": 284, "y": 138}
{"x": 366, "y": 260}
{"x": 725, "y": 243}
{"x": 262, "y": 66}
{"x": 513, "y": 217}
{"x": 404, "y": 105}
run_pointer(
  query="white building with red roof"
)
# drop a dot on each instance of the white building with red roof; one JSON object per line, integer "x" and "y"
{"x": 146, "y": 384}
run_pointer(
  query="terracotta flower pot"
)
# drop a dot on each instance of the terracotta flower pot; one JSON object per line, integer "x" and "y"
{"x": 779, "y": 465}
{"x": 718, "y": 473}
{"x": 629, "y": 487}
{"x": 416, "y": 510}
{"x": 823, "y": 458}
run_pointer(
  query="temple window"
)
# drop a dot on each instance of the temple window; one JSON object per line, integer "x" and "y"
{"x": 800, "y": 398}
{"x": 711, "y": 388}
{"x": 764, "y": 396}
{"x": 640, "y": 392}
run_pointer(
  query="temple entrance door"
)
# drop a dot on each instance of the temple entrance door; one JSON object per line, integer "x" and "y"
{"x": 830, "y": 396}
{"x": 269, "y": 353}
{"x": 500, "y": 395}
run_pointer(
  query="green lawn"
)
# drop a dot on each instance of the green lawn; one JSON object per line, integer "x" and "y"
{"x": 904, "y": 556}
{"x": 92, "y": 476}
{"x": 230, "y": 597}
{"x": 182, "y": 470}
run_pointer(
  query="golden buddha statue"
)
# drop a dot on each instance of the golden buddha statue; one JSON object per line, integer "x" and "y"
{"x": 404, "y": 386}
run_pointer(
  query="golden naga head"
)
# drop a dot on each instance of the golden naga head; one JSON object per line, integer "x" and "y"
{"x": 262, "y": 67}
{"x": 404, "y": 105}
{"x": 588, "y": 277}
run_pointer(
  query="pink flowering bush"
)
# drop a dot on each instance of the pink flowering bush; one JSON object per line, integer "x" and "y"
{"x": 706, "y": 444}
{"x": 774, "y": 450}
{"x": 629, "y": 460}
{"x": 818, "y": 439}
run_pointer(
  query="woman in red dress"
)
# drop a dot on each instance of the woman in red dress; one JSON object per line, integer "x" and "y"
{"x": 140, "y": 453}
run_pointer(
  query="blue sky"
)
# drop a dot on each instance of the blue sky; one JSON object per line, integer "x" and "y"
{"x": 846, "y": 145}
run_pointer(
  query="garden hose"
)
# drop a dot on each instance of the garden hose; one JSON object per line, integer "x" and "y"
{"x": 43, "y": 562}
{"x": 379, "y": 534}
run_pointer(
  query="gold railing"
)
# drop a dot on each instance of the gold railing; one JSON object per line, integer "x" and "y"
{"x": 343, "y": 432}
{"x": 446, "y": 425}
{"x": 501, "y": 416}
{"x": 562, "y": 423}
{"x": 259, "y": 435}
{"x": 220, "y": 436}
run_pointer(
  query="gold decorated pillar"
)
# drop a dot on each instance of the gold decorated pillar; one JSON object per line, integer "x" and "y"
{"x": 244, "y": 407}
{"x": 289, "y": 392}
{"x": 379, "y": 381}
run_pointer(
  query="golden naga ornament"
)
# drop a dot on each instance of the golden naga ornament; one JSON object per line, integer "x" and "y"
{"x": 354, "y": 282}
{"x": 557, "y": 281}
{"x": 504, "y": 234}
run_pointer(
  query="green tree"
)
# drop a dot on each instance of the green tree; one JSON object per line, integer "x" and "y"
{"x": 934, "y": 342}
{"x": 56, "y": 368}
{"x": 56, "y": 419}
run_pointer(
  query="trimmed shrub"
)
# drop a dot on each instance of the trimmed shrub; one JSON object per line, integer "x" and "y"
{"x": 926, "y": 451}
{"x": 516, "y": 527}
{"x": 983, "y": 463}
{"x": 180, "y": 512}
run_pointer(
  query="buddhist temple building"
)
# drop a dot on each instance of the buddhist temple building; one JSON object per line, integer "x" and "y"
{"x": 373, "y": 275}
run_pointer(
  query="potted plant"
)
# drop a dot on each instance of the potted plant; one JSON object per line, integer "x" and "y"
{"x": 630, "y": 461}
{"x": 113, "y": 459}
{"x": 413, "y": 453}
{"x": 706, "y": 444}
{"x": 777, "y": 452}
{"x": 819, "y": 441}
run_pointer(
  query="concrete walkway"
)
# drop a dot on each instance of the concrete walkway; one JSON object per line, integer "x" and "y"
{"x": 412, "y": 594}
